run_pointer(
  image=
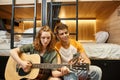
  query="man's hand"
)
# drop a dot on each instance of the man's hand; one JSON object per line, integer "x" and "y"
{"x": 80, "y": 60}
{"x": 65, "y": 70}
{"x": 77, "y": 60}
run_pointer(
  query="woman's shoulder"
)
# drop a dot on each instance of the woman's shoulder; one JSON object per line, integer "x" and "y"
{"x": 26, "y": 47}
{"x": 53, "y": 52}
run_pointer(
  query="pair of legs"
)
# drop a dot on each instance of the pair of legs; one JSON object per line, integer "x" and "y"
{"x": 95, "y": 73}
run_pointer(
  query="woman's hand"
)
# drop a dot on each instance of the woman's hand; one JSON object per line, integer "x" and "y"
{"x": 26, "y": 66}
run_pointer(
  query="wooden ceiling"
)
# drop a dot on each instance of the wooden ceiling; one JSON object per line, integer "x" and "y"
{"x": 6, "y": 12}
{"x": 89, "y": 9}
{"x": 99, "y": 9}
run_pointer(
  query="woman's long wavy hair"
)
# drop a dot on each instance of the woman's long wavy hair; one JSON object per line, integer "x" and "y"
{"x": 37, "y": 42}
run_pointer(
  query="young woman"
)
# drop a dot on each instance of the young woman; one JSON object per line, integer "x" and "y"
{"x": 42, "y": 45}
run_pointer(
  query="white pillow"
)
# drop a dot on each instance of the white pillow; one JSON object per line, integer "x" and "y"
{"x": 101, "y": 36}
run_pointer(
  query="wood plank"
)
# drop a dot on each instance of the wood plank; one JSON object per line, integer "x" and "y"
{"x": 9, "y": 2}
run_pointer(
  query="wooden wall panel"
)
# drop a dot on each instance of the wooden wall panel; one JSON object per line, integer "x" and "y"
{"x": 29, "y": 24}
{"x": 113, "y": 27}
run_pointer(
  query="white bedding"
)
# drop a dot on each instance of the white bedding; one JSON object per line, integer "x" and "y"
{"x": 5, "y": 46}
{"x": 5, "y": 52}
{"x": 4, "y": 49}
{"x": 18, "y": 40}
{"x": 5, "y": 42}
{"x": 102, "y": 50}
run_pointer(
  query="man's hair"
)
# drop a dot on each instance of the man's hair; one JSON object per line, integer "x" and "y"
{"x": 60, "y": 26}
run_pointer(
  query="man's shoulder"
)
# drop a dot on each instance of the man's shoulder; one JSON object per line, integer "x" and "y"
{"x": 73, "y": 41}
{"x": 58, "y": 45}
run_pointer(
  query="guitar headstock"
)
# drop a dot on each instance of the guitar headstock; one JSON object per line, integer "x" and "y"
{"x": 80, "y": 66}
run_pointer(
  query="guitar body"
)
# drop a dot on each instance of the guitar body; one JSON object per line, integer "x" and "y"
{"x": 11, "y": 72}
{"x": 14, "y": 71}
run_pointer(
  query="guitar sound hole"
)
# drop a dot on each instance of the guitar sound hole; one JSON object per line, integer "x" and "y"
{"x": 22, "y": 73}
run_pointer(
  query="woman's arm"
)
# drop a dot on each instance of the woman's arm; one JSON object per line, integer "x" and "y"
{"x": 15, "y": 54}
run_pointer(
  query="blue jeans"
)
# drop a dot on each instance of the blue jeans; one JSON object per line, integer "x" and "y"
{"x": 70, "y": 76}
{"x": 95, "y": 73}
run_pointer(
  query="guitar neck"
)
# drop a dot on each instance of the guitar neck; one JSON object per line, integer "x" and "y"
{"x": 82, "y": 66}
{"x": 50, "y": 66}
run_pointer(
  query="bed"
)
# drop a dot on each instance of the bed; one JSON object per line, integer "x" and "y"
{"x": 5, "y": 48}
{"x": 19, "y": 40}
{"x": 107, "y": 51}
{"x": 93, "y": 50}
{"x": 100, "y": 49}
{"x": 106, "y": 56}
{"x": 4, "y": 43}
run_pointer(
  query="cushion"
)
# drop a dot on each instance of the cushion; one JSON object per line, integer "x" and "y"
{"x": 101, "y": 36}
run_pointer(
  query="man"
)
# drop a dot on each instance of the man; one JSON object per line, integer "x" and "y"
{"x": 67, "y": 48}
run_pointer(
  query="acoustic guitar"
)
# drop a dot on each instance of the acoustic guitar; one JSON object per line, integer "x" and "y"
{"x": 14, "y": 72}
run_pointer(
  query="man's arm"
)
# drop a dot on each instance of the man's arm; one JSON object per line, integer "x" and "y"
{"x": 84, "y": 58}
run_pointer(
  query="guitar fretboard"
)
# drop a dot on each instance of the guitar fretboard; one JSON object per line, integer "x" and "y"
{"x": 49, "y": 66}
{"x": 82, "y": 66}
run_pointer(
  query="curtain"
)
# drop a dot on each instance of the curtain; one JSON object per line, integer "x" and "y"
{"x": 55, "y": 13}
